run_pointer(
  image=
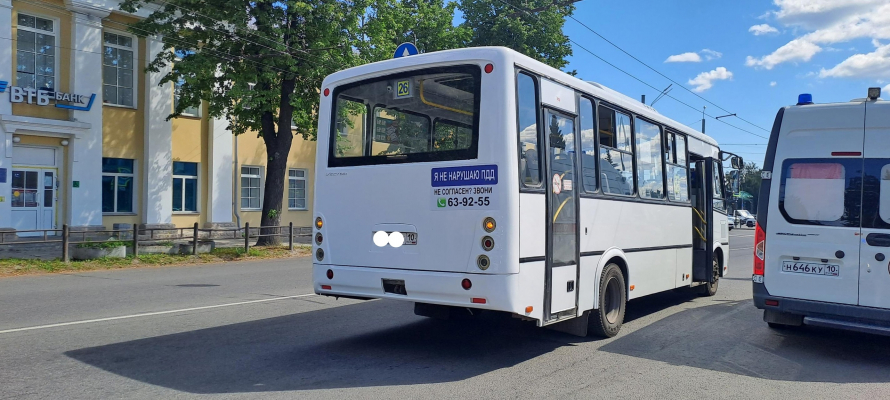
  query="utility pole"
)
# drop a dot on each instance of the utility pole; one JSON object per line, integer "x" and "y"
{"x": 703, "y": 118}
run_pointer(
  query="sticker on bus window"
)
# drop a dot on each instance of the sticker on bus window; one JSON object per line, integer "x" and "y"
{"x": 464, "y": 188}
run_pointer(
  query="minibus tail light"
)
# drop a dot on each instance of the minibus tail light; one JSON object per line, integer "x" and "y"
{"x": 318, "y": 223}
{"x": 759, "y": 250}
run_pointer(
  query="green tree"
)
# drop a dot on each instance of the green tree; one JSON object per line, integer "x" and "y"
{"x": 531, "y": 27}
{"x": 426, "y": 23}
{"x": 257, "y": 63}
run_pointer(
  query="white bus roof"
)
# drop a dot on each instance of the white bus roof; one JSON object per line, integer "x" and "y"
{"x": 447, "y": 57}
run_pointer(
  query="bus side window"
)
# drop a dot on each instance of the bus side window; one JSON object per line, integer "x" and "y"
{"x": 675, "y": 162}
{"x": 616, "y": 153}
{"x": 650, "y": 172}
{"x": 588, "y": 145}
{"x": 719, "y": 203}
{"x": 527, "y": 111}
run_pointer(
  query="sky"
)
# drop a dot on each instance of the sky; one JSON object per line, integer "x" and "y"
{"x": 749, "y": 57}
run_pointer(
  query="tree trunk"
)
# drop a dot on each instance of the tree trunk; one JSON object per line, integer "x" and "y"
{"x": 277, "y": 150}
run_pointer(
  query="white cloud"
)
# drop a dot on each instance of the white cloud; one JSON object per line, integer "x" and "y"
{"x": 762, "y": 29}
{"x": 773, "y": 84}
{"x": 695, "y": 57}
{"x": 685, "y": 57}
{"x": 885, "y": 91}
{"x": 711, "y": 54}
{"x": 705, "y": 80}
{"x": 869, "y": 66}
{"x": 795, "y": 50}
{"x": 823, "y": 23}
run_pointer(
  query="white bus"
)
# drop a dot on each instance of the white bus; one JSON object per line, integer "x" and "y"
{"x": 822, "y": 240}
{"x": 482, "y": 179}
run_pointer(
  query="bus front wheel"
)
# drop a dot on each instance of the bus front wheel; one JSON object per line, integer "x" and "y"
{"x": 606, "y": 321}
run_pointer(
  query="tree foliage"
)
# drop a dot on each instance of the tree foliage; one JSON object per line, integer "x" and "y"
{"x": 260, "y": 63}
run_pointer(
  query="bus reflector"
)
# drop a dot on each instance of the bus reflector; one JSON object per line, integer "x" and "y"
{"x": 477, "y": 300}
{"x": 528, "y": 310}
{"x": 327, "y": 92}
{"x": 632, "y": 287}
{"x": 326, "y": 287}
{"x": 466, "y": 284}
{"x": 846, "y": 153}
{"x": 773, "y": 303}
{"x": 489, "y": 68}
{"x": 759, "y": 250}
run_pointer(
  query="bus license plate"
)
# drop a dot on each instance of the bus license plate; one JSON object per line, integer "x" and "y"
{"x": 811, "y": 268}
{"x": 410, "y": 238}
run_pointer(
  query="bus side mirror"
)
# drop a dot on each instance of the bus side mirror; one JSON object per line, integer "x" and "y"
{"x": 737, "y": 162}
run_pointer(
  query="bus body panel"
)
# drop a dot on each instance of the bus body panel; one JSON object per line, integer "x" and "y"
{"x": 874, "y": 275}
{"x": 810, "y": 134}
{"x": 532, "y": 225}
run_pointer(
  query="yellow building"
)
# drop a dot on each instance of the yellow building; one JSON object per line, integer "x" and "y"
{"x": 86, "y": 141}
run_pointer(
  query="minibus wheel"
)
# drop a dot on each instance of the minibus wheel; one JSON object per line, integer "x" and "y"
{"x": 710, "y": 287}
{"x": 606, "y": 321}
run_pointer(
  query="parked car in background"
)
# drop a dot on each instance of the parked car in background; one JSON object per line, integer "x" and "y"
{"x": 744, "y": 218}
{"x": 730, "y": 221}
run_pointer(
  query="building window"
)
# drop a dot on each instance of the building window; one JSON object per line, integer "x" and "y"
{"x": 188, "y": 111}
{"x": 117, "y": 185}
{"x": 296, "y": 189}
{"x": 36, "y": 52}
{"x": 185, "y": 187}
{"x": 251, "y": 187}
{"x": 118, "y": 70}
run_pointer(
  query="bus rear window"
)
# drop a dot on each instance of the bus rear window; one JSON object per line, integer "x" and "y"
{"x": 821, "y": 192}
{"x": 425, "y": 115}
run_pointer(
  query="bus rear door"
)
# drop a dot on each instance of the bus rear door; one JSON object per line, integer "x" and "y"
{"x": 874, "y": 261}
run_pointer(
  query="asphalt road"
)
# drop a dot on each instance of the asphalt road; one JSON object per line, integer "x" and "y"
{"x": 254, "y": 329}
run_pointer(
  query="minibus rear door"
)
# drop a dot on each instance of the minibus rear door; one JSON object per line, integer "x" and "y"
{"x": 874, "y": 269}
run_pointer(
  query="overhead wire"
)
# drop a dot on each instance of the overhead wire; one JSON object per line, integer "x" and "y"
{"x": 638, "y": 79}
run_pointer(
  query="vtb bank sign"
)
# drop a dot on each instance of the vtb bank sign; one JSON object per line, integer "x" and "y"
{"x": 42, "y": 97}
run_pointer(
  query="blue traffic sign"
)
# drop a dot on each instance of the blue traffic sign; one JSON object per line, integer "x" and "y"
{"x": 405, "y": 50}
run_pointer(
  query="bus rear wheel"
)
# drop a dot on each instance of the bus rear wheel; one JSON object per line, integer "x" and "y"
{"x": 606, "y": 321}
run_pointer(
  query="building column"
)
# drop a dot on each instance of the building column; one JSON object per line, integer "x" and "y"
{"x": 6, "y": 63}
{"x": 84, "y": 199}
{"x": 221, "y": 171}
{"x": 157, "y": 200}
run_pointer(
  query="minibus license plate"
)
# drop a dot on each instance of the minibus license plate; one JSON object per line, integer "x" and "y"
{"x": 410, "y": 238}
{"x": 811, "y": 268}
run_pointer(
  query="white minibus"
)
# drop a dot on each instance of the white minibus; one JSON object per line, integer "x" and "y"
{"x": 822, "y": 240}
{"x": 482, "y": 179}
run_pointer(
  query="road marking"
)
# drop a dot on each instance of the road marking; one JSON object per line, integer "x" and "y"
{"x": 149, "y": 314}
{"x": 741, "y": 248}
{"x": 732, "y": 236}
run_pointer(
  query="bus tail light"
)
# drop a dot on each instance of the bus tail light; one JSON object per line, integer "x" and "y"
{"x": 318, "y": 223}
{"x": 759, "y": 250}
{"x": 774, "y": 303}
{"x": 318, "y": 238}
{"x": 483, "y": 262}
{"x": 487, "y": 243}
{"x": 319, "y": 254}
{"x": 489, "y": 224}
{"x": 466, "y": 284}
{"x": 330, "y": 274}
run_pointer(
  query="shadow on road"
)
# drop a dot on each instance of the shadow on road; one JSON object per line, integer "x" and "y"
{"x": 732, "y": 337}
{"x": 366, "y": 344}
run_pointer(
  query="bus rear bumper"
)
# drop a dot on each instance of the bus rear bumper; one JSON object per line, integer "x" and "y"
{"x": 443, "y": 288}
{"x": 816, "y": 313}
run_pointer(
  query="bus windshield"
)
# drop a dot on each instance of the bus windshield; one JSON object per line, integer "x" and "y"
{"x": 424, "y": 115}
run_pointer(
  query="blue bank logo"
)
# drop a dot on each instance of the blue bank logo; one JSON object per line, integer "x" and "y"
{"x": 42, "y": 97}
{"x": 3, "y": 85}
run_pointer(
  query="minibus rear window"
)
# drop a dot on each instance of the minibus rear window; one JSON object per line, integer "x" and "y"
{"x": 876, "y": 194}
{"x": 821, "y": 191}
{"x": 423, "y": 115}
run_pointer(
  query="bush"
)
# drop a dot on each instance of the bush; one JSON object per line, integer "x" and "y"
{"x": 102, "y": 245}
